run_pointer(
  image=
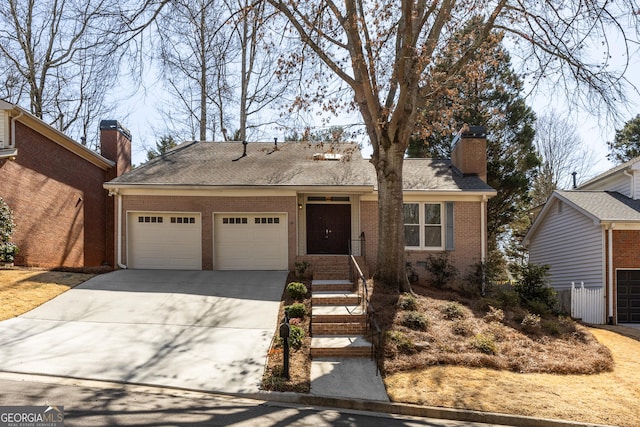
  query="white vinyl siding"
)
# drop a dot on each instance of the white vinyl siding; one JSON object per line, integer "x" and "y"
{"x": 636, "y": 185}
{"x": 4, "y": 130}
{"x": 572, "y": 245}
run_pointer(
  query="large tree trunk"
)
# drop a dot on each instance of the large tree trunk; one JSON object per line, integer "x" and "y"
{"x": 390, "y": 266}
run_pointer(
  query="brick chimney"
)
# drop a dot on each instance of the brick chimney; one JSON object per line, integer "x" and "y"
{"x": 469, "y": 152}
{"x": 115, "y": 144}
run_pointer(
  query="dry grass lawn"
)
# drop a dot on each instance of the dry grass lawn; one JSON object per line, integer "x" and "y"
{"x": 23, "y": 289}
{"x": 605, "y": 398}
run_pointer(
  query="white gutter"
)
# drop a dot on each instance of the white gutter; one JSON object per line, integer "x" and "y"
{"x": 119, "y": 232}
{"x": 610, "y": 268}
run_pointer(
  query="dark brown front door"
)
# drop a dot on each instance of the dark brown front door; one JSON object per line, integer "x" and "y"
{"x": 328, "y": 229}
{"x": 628, "y": 296}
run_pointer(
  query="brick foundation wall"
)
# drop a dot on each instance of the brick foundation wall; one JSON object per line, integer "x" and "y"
{"x": 207, "y": 206}
{"x": 58, "y": 203}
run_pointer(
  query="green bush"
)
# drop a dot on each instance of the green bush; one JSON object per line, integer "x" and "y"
{"x": 296, "y": 310}
{"x": 407, "y": 302}
{"x": 415, "y": 320}
{"x": 441, "y": 270}
{"x": 401, "y": 341}
{"x": 8, "y": 250}
{"x": 533, "y": 288}
{"x": 552, "y": 327}
{"x": 297, "y": 290}
{"x": 486, "y": 343}
{"x": 296, "y": 337}
{"x": 481, "y": 278}
{"x": 453, "y": 310}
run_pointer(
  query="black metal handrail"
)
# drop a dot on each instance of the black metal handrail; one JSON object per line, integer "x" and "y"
{"x": 373, "y": 329}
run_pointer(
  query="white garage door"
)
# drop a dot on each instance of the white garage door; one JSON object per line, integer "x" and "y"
{"x": 170, "y": 241}
{"x": 250, "y": 241}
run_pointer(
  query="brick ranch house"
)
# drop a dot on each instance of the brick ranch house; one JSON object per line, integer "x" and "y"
{"x": 591, "y": 236}
{"x": 269, "y": 206}
{"x": 53, "y": 185}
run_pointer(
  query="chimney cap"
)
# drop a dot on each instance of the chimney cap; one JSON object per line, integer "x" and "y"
{"x": 114, "y": 125}
{"x": 473, "y": 132}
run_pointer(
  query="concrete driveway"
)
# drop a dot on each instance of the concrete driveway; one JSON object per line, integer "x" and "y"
{"x": 203, "y": 330}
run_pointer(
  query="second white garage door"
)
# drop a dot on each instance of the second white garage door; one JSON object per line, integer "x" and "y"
{"x": 165, "y": 240}
{"x": 250, "y": 241}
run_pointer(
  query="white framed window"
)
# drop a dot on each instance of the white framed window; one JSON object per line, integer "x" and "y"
{"x": 424, "y": 226}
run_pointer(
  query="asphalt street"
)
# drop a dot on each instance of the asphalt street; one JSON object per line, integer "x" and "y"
{"x": 94, "y": 403}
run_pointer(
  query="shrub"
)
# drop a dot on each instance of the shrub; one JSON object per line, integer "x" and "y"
{"x": 441, "y": 270}
{"x": 401, "y": 341}
{"x": 301, "y": 268}
{"x": 482, "y": 277}
{"x": 8, "y": 250}
{"x": 415, "y": 320}
{"x": 494, "y": 315}
{"x": 485, "y": 343}
{"x": 453, "y": 310}
{"x": 552, "y": 327}
{"x": 296, "y": 310}
{"x": 407, "y": 302}
{"x": 296, "y": 336}
{"x": 531, "y": 322}
{"x": 462, "y": 328}
{"x": 533, "y": 288}
{"x": 297, "y": 290}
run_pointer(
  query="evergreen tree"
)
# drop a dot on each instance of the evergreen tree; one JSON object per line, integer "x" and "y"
{"x": 164, "y": 144}
{"x": 626, "y": 144}
{"x": 488, "y": 93}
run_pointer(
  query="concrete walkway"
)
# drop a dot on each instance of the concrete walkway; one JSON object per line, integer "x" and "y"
{"x": 200, "y": 330}
{"x": 351, "y": 378}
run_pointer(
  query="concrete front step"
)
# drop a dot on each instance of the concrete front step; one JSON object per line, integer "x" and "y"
{"x": 338, "y": 314}
{"x": 334, "y": 298}
{"x": 340, "y": 346}
{"x": 331, "y": 285}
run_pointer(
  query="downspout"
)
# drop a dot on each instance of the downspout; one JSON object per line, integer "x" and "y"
{"x": 483, "y": 229}
{"x": 610, "y": 265}
{"x": 119, "y": 233}
{"x": 633, "y": 183}
{"x": 13, "y": 128}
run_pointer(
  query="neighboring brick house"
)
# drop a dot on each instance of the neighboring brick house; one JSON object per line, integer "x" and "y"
{"x": 268, "y": 206}
{"x": 591, "y": 236}
{"x": 53, "y": 185}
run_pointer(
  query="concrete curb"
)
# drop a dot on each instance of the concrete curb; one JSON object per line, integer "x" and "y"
{"x": 417, "y": 410}
{"x": 319, "y": 401}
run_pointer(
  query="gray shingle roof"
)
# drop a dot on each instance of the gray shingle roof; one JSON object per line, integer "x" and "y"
{"x": 291, "y": 164}
{"x": 605, "y": 205}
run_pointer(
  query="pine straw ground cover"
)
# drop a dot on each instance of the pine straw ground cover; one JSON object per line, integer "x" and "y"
{"x": 23, "y": 289}
{"x": 299, "y": 358}
{"x": 484, "y": 333}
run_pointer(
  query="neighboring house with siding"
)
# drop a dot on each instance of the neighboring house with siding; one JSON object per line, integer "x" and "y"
{"x": 53, "y": 185}
{"x": 591, "y": 236}
{"x": 269, "y": 206}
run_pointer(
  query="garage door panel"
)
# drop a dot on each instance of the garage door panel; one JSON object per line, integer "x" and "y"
{"x": 171, "y": 241}
{"x": 250, "y": 241}
{"x": 628, "y": 299}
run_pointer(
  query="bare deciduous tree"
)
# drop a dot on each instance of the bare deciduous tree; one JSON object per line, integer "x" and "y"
{"x": 383, "y": 51}
{"x": 562, "y": 153}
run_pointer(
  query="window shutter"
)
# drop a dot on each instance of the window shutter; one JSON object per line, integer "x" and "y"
{"x": 449, "y": 244}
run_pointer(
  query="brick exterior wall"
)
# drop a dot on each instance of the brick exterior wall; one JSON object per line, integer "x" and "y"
{"x": 626, "y": 255}
{"x": 467, "y": 238}
{"x": 207, "y": 206}
{"x": 58, "y": 203}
